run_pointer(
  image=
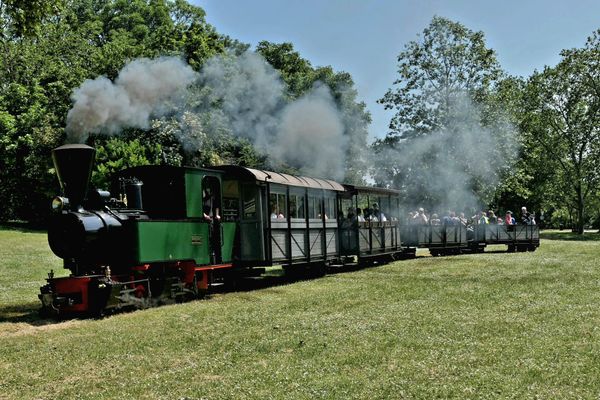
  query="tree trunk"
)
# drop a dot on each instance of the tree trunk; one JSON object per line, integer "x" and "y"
{"x": 580, "y": 210}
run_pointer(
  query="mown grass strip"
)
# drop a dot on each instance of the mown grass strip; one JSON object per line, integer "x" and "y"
{"x": 491, "y": 325}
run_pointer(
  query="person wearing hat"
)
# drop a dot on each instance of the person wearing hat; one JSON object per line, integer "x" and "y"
{"x": 509, "y": 219}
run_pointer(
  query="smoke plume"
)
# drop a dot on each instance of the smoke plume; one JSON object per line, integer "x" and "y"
{"x": 307, "y": 134}
{"x": 144, "y": 89}
{"x": 456, "y": 167}
{"x": 243, "y": 96}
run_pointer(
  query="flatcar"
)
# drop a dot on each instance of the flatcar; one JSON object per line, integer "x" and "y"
{"x": 166, "y": 234}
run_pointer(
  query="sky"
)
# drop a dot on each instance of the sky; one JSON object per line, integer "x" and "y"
{"x": 365, "y": 37}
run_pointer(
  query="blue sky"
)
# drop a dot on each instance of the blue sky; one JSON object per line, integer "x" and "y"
{"x": 365, "y": 37}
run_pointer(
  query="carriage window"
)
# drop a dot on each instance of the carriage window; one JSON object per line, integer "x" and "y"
{"x": 329, "y": 207}
{"x": 278, "y": 206}
{"x": 301, "y": 207}
{"x": 347, "y": 209}
{"x": 249, "y": 201}
{"x": 314, "y": 207}
{"x": 296, "y": 206}
{"x": 384, "y": 208}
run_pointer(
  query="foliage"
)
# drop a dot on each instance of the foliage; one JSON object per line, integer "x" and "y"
{"x": 562, "y": 106}
{"x": 19, "y": 18}
{"x": 38, "y": 73}
{"x": 448, "y": 61}
{"x": 115, "y": 154}
{"x": 450, "y": 140}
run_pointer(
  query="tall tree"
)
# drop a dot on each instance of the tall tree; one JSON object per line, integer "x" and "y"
{"x": 442, "y": 119}
{"x": 19, "y": 18}
{"x": 563, "y": 116}
{"x": 448, "y": 61}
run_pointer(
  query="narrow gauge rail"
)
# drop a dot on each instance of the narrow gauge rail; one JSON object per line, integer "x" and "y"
{"x": 169, "y": 233}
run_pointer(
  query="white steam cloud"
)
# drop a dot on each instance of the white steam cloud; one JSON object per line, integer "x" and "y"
{"x": 143, "y": 89}
{"x": 307, "y": 133}
{"x": 239, "y": 95}
{"x": 457, "y": 167}
{"x": 311, "y": 135}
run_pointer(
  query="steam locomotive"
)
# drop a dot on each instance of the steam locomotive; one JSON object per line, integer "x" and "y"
{"x": 169, "y": 233}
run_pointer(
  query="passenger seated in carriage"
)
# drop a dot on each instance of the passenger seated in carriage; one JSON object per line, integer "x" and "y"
{"x": 483, "y": 219}
{"x": 492, "y": 219}
{"x": 276, "y": 214}
{"x": 380, "y": 216}
{"x": 359, "y": 215}
{"x": 462, "y": 219}
{"x": 367, "y": 212}
{"x": 450, "y": 219}
{"x": 526, "y": 217}
{"x": 420, "y": 218}
{"x": 509, "y": 219}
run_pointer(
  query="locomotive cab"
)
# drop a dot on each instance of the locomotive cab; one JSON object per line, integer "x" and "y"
{"x": 158, "y": 242}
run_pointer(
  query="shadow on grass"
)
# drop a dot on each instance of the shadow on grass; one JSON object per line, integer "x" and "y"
{"x": 29, "y": 312}
{"x": 24, "y": 313}
{"x": 22, "y": 227}
{"x": 568, "y": 235}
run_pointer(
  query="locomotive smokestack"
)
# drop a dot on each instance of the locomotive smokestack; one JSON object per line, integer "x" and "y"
{"x": 73, "y": 164}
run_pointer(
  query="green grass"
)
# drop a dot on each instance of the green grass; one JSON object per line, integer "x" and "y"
{"x": 568, "y": 235}
{"x": 496, "y": 325}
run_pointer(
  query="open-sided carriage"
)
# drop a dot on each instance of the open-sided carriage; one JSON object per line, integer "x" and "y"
{"x": 439, "y": 239}
{"x": 516, "y": 237}
{"x": 454, "y": 239}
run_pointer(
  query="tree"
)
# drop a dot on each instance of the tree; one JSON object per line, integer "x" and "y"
{"x": 562, "y": 119}
{"x": 40, "y": 68}
{"x": 449, "y": 61}
{"x": 20, "y": 18}
{"x": 444, "y": 145}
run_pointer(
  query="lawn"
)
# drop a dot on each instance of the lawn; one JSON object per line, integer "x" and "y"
{"x": 494, "y": 325}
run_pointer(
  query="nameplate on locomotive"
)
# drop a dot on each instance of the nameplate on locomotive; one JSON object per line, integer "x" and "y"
{"x": 196, "y": 240}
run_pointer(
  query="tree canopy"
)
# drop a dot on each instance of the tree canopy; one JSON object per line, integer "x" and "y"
{"x": 463, "y": 133}
{"x": 561, "y": 124}
{"x": 444, "y": 148}
{"x": 51, "y": 47}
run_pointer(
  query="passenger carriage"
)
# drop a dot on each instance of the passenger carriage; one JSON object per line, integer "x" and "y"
{"x": 439, "y": 239}
{"x": 299, "y": 221}
{"x": 378, "y": 236}
{"x": 516, "y": 237}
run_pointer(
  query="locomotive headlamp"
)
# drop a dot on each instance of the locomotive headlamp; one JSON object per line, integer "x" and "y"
{"x": 59, "y": 203}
